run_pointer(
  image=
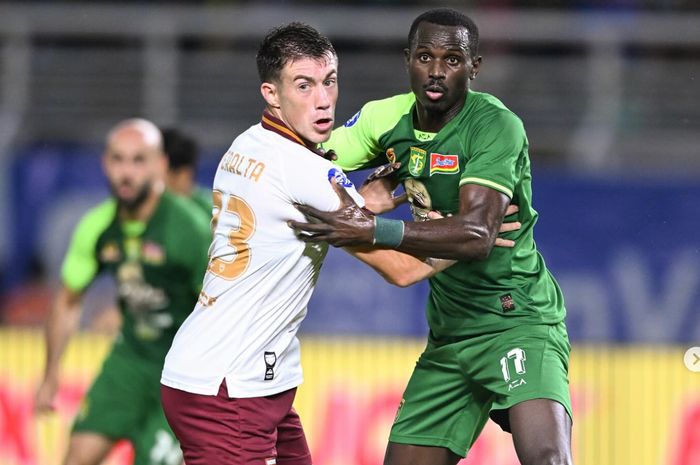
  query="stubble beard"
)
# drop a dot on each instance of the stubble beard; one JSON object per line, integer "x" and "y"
{"x": 131, "y": 205}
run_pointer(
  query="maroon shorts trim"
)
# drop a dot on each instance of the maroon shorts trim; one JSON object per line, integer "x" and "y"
{"x": 218, "y": 430}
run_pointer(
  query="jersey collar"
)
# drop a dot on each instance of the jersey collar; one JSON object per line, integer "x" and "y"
{"x": 278, "y": 126}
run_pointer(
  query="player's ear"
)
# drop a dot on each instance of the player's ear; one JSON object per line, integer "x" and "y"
{"x": 406, "y": 56}
{"x": 270, "y": 94}
{"x": 476, "y": 66}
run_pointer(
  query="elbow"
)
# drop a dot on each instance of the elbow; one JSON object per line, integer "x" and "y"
{"x": 476, "y": 245}
{"x": 482, "y": 252}
{"x": 403, "y": 280}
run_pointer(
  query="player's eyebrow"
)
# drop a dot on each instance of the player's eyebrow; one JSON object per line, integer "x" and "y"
{"x": 309, "y": 78}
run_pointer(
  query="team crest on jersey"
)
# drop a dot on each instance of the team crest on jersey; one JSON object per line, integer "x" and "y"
{"x": 152, "y": 253}
{"x": 416, "y": 162}
{"x": 391, "y": 155}
{"x": 352, "y": 120}
{"x": 443, "y": 164}
{"x": 110, "y": 253}
{"x": 340, "y": 178}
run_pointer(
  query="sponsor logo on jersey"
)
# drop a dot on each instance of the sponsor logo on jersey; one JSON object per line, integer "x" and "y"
{"x": 152, "y": 253}
{"x": 340, "y": 177}
{"x": 443, "y": 164}
{"x": 391, "y": 155}
{"x": 271, "y": 461}
{"x": 353, "y": 119}
{"x": 416, "y": 161}
{"x": 270, "y": 360}
{"x": 507, "y": 303}
{"x": 110, "y": 253}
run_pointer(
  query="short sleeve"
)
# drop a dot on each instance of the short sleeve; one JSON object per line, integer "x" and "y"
{"x": 80, "y": 265}
{"x": 310, "y": 184}
{"x": 496, "y": 149}
{"x": 356, "y": 143}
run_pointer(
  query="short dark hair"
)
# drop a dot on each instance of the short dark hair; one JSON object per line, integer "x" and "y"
{"x": 288, "y": 43}
{"x": 181, "y": 149}
{"x": 448, "y": 17}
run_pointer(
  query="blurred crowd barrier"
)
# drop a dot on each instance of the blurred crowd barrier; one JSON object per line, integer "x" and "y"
{"x": 632, "y": 405}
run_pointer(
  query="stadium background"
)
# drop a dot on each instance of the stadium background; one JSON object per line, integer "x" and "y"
{"x": 610, "y": 96}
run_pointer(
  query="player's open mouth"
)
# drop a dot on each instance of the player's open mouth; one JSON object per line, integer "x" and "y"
{"x": 434, "y": 92}
{"x": 324, "y": 124}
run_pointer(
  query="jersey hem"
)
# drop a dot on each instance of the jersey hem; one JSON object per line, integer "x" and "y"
{"x": 233, "y": 391}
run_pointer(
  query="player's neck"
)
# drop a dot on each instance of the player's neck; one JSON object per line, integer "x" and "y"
{"x": 272, "y": 120}
{"x": 144, "y": 210}
{"x": 433, "y": 121}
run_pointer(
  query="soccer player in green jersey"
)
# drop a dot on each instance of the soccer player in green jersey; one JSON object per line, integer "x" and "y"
{"x": 498, "y": 345}
{"x": 155, "y": 244}
{"x": 182, "y": 152}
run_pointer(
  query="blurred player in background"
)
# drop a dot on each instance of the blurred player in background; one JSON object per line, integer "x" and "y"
{"x": 498, "y": 344}
{"x": 231, "y": 375}
{"x": 155, "y": 244}
{"x": 183, "y": 152}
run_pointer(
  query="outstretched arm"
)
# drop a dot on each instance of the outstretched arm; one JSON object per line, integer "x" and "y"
{"x": 468, "y": 235}
{"x": 398, "y": 268}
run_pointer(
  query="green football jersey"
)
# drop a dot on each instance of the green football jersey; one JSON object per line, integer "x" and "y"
{"x": 158, "y": 266}
{"x": 203, "y": 198}
{"x": 484, "y": 144}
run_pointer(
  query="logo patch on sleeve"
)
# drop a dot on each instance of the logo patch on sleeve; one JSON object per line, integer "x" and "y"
{"x": 340, "y": 178}
{"x": 353, "y": 119}
{"x": 443, "y": 164}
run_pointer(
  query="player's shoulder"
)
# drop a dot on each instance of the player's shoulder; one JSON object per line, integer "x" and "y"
{"x": 98, "y": 218}
{"x": 384, "y": 112}
{"x": 400, "y": 103}
{"x": 491, "y": 107}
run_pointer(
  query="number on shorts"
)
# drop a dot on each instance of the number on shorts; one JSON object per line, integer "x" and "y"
{"x": 238, "y": 237}
{"x": 518, "y": 356}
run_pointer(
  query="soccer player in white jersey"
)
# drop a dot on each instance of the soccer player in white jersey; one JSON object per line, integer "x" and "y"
{"x": 231, "y": 374}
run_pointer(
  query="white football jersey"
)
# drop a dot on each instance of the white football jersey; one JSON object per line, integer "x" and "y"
{"x": 260, "y": 275}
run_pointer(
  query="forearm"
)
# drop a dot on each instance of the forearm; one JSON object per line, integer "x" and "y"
{"x": 455, "y": 238}
{"x": 398, "y": 268}
{"x": 62, "y": 323}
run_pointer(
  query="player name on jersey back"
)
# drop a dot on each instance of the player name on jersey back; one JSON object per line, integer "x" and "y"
{"x": 235, "y": 163}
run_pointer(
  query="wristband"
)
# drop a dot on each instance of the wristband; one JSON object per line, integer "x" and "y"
{"x": 387, "y": 232}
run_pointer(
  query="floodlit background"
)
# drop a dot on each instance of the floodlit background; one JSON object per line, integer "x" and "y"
{"x": 610, "y": 96}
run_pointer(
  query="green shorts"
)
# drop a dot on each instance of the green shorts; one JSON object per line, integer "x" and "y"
{"x": 124, "y": 403}
{"x": 457, "y": 384}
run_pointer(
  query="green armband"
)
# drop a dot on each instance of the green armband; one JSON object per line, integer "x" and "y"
{"x": 387, "y": 232}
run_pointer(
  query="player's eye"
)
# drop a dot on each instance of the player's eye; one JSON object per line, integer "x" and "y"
{"x": 452, "y": 60}
{"x": 304, "y": 86}
{"x": 329, "y": 82}
{"x": 424, "y": 58}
